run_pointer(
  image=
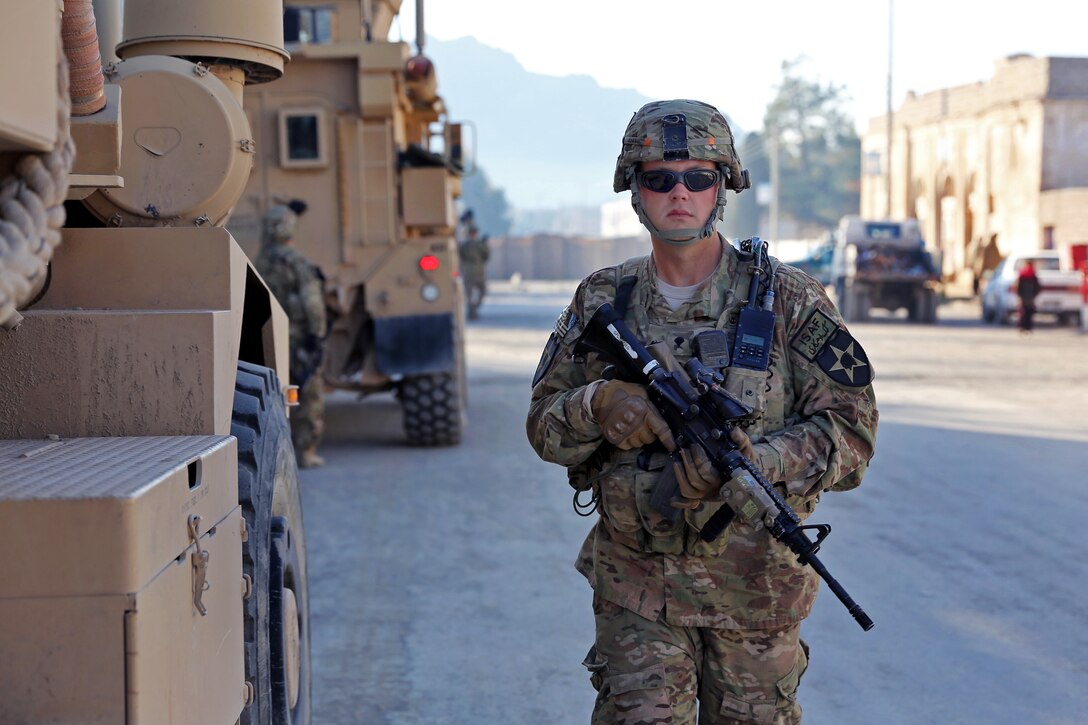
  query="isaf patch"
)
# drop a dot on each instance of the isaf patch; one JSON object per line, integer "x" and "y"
{"x": 834, "y": 350}
{"x": 817, "y": 330}
{"x": 563, "y": 324}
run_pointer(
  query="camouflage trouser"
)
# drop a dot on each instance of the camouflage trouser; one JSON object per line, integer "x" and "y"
{"x": 650, "y": 673}
{"x": 308, "y": 417}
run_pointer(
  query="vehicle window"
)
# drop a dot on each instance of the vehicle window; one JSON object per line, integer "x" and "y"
{"x": 308, "y": 25}
{"x": 302, "y": 137}
{"x": 1041, "y": 263}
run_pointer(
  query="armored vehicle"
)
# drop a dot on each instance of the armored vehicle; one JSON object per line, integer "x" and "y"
{"x": 358, "y": 131}
{"x": 154, "y": 563}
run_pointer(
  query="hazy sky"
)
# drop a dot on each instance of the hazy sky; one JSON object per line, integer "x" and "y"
{"x": 666, "y": 49}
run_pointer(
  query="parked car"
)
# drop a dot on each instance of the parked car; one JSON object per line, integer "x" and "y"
{"x": 1060, "y": 295}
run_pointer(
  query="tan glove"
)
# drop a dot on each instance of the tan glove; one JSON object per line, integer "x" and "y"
{"x": 744, "y": 443}
{"x": 628, "y": 419}
{"x": 760, "y": 454}
{"x": 696, "y": 477}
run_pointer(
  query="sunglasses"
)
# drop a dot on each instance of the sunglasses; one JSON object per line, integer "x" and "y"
{"x": 663, "y": 181}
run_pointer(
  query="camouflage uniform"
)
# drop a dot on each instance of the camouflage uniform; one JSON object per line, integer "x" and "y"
{"x": 474, "y": 254}
{"x": 680, "y": 619}
{"x": 298, "y": 285}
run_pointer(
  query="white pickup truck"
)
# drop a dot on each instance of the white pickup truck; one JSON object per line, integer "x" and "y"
{"x": 1060, "y": 295}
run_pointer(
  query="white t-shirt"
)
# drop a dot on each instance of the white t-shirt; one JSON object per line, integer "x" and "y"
{"x": 674, "y": 295}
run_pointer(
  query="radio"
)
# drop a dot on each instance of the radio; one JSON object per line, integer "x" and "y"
{"x": 755, "y": 328}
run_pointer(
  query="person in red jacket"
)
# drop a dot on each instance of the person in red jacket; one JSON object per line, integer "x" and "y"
{"x": 1027, "y": 289}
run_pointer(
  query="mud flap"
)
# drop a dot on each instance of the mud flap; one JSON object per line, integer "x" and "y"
{"x": 414, "y": 344}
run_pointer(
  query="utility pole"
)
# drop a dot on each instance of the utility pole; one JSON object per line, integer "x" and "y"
{"x": 890, "y": 126}
{"x": 774, "y": 182}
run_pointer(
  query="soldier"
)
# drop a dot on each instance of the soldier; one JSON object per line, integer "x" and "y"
{"x": 299, "y": 286}
{"x": 474, "y": 254}
{"x": 687, "y": 628}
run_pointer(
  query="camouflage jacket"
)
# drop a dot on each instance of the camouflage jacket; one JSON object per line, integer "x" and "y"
{"x": 298, "y": 286}
{"x": 474, "y": 254}
{"x": 816, "y": 432}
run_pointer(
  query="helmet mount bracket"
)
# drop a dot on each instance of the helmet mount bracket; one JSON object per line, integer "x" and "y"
{"x": 674, "y": 129}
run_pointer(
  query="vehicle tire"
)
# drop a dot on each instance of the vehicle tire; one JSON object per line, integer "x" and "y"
{"x": 844, "y": 300}
{"x": 916, "y": 310}
{"x": 923, "y": 307}
{"x": 277, "y": 624}
{"x": 861, "y": 305}
{"x": 987, "y": 313}
{"x": 433, "y": 409}
{"x": 932, "y": 302}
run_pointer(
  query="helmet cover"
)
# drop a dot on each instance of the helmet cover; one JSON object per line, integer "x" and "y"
{"x": 280, "y": 223}
{"x": 679, "y": 130}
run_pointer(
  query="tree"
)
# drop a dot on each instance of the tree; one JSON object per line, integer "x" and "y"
{"x": 489, "y": 206}
{"x": 819, "y": 152}
{"x": 742, "y": 219}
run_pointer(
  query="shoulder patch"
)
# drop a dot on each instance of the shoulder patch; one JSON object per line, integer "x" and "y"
{"x": 814, "y": 334}
{"x": 834, "y": 350}
{"x": 844, "y": 361}
{"x": 563, "y": 324}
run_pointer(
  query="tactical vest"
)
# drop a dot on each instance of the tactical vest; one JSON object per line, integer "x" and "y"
{"x": 609, "y": 472}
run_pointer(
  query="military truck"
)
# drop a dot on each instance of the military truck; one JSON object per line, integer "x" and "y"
{"x": 883, "y": 264}
{"x": 154, "y": 564}
{"x": 358, "y": 131}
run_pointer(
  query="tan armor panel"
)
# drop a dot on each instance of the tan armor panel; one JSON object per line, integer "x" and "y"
{"x": 124, "y": 343}
{"x": 102, "y": 580}
{"x": 30, "y": 124}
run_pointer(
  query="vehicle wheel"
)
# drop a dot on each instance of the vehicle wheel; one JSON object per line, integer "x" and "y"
{"x": 916, "y": 310}
{"x": 923, "y": 307}
{"x": 844, "y": 300}
{"x": 433, "y": 409}
{"x": 861, "y": 305}
{"x": 1002, "y": 316}
{"x": 277, "y": 622}
{"x": 932, "y": 302}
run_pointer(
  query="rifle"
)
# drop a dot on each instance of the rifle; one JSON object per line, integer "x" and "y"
{"x": 703, "y": 415}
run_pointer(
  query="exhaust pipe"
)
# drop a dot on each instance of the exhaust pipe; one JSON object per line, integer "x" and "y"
{"x": 420, "y": 34}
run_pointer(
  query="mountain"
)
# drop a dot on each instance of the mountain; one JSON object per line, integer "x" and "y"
{"x": 547, "y": 141}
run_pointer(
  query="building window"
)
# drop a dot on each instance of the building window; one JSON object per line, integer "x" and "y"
{"x": 944, "y": 149}
{"x": 873, "y": 165}
{"x": 307, "y": 25}
{"x": 302, "y": 138}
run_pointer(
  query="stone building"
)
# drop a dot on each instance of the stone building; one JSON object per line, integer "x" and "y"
{"x": 988, "y": 169}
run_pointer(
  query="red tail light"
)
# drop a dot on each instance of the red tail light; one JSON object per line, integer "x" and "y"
{"x": 428, "y": 263}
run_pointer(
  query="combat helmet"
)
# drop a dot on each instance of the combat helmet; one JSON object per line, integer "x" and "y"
{"x": 679, "y": 130}
{"x": 280, "y": 224}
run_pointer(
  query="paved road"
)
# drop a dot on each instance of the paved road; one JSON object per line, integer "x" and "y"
{"x": 442, "y": 587}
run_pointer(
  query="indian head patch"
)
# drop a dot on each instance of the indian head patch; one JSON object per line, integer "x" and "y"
{"x": 834, "y": 349}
